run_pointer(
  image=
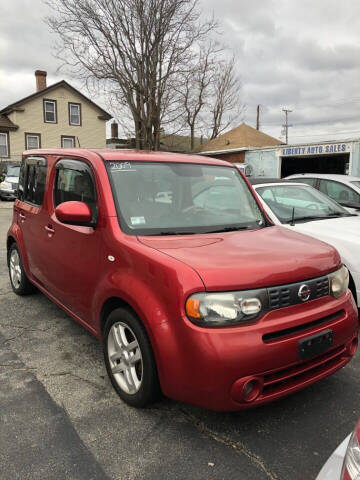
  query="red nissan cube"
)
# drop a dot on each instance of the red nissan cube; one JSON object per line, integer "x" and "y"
{"x": 171, "y": 262}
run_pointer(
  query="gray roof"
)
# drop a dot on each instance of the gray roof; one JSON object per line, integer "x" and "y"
{"x": 328, "y": 176}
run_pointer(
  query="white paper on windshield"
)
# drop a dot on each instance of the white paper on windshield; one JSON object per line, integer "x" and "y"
{"x": 137, "y": 220}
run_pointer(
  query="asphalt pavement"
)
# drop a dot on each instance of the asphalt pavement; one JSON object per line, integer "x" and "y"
{"x": 61, "y": 419}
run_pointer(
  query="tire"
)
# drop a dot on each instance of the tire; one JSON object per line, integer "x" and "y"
{"x": 18, "y": 279}
{"x": 129, "y": 359}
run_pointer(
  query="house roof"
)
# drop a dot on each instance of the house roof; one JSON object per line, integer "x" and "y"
{"x": 7, "y": 124}
{"x": 239, "y": 138}
{"x": 177, "y": 143}
{"x": 13, "y": 106}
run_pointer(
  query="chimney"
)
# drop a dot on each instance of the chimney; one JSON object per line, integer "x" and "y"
{"x": 114, "y": 130}
{"x": 40, "y": 76}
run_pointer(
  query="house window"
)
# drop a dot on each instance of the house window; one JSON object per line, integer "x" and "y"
{"x": 74, "y": 113}
{"x": 67, "y": 142}
{"x": 4, "y": 145}
{"x": 32, "y": 140}
{"x": 50, "y": 111}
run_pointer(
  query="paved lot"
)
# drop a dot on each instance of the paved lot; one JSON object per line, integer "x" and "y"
{"x": 60, "y": 418}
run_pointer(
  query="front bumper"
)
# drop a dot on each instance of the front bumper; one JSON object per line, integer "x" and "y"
{"x": 8, "y": 194}
{"x": 356, "y": 278}
{"x": 207, "y": 367}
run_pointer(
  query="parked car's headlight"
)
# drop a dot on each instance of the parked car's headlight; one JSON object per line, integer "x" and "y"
{"x": 339, "y": 282}
{"x": 5, "y": 186}
{"x": 227, "y": 308}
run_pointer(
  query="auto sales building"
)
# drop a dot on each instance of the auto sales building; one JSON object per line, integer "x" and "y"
{"x": 327, "y": 157}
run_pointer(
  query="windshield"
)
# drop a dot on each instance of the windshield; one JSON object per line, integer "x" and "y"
{"x": 174, "y": 198}
{"x": 299, "y": 202}
{"x": 356, "y": 183}
{"x": 13, "y": 171}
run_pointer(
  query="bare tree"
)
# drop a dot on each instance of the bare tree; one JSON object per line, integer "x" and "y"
{"x": 137, "y": 49}
{"x": 226, "y": 106}
{"x": 210, "y": 92}
{"x": 196, "y": 84}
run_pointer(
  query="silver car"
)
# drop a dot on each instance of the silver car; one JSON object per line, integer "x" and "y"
{"x": 344, "y": 463}
{"x": 344, "y": 189}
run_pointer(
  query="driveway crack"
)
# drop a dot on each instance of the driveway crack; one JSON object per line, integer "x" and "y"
{"x": 239, "y": 447}
{"x": 78, "y": 377}
{"x": 21, "y": 327}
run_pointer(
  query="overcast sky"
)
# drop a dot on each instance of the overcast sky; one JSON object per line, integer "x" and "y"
{"x": 299, "y": 54}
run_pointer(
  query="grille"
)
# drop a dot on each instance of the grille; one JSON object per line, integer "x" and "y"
{"x": 279, "y": 297}
{"x": 322, "y": 287}
{"x": 286, "y": 295}
{"x": 14, "y": 186}
{"x": 292, "y": 376}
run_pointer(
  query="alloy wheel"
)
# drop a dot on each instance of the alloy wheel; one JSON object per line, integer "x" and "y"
{"x": 125, "y": 358}
{"x": 15, "y": 268}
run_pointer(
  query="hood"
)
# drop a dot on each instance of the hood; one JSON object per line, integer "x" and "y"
{"x": 11, "y": 179}
{"x": 250, "y": 259}
{"x": 345, "y": 229}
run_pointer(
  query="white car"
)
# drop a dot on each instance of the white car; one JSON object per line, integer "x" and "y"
{"x": 344, "y": 463}
{"x": 341, "y": 188}
{"x": 9, "y": 180}
{"x": 301, "y": 208}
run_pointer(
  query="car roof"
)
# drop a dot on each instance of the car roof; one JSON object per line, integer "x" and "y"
{"x": 329, "y": 176}
{"x": 117, "y": 155}
{"x": 264, "y": 180}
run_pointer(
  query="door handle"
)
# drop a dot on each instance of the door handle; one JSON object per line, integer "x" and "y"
{"x": 49, "y": 229}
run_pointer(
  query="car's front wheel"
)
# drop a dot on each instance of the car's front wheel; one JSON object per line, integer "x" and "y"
{"x": 19, "y": 281}
{"x": 129, "y": 359}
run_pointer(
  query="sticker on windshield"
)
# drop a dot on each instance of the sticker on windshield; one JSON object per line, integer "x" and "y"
{"x": 137, "y": 220}
{"x": 121, "y": 166}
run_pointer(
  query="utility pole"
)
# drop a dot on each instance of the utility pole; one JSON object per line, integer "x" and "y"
{"x": 286, "y": 126}
{"x": 258, "y": 117}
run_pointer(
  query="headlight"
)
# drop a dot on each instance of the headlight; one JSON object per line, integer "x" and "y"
{"x": 339, "y": 282}
{"x": 228, "y": 308}
{"x": 5, "y": 185}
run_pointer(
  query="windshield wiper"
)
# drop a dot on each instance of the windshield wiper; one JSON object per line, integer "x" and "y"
{"x": 228, "y": 229}
{"x": 170, "y": 233}
{"x": 316, "y": 217}
{"x": 341, "y": 214}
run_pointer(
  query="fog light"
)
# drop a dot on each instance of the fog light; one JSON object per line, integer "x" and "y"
{"x": 352, "y": 346}
{"x": 247, "y": 389}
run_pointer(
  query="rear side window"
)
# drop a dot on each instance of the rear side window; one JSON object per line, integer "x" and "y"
{"x": 339, "y": 192}
{"x": 74, "y": 182}
{"x": 32, "y": 180}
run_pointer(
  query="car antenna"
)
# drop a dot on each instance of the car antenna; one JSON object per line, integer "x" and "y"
{"x": 293, "y": 217}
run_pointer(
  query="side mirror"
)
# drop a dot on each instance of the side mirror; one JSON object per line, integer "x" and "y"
{"x": 74, "y": 213}
{"x": 350, "y": 204}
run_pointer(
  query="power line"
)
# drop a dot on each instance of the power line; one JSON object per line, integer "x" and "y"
{"x": 326, "y": 133}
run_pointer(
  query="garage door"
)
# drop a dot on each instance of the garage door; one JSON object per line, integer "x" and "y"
{"x": 315, "y": 164}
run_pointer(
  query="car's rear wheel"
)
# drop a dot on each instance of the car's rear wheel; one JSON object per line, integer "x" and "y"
{"x": 19, "y": 281}
{"x": 129, "y": 359}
